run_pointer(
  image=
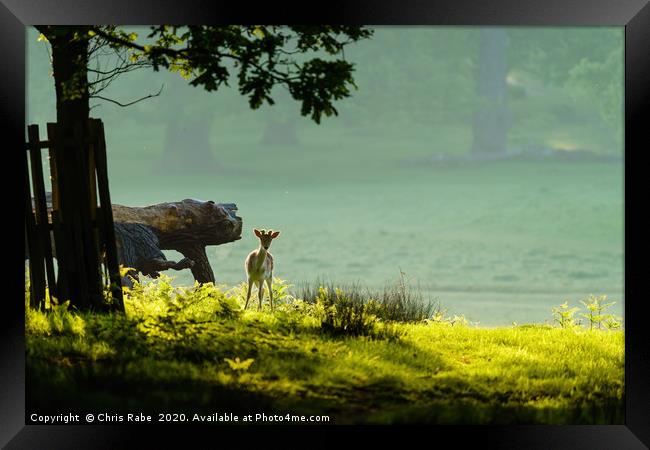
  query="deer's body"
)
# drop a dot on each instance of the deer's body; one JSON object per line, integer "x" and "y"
{"x": 259, "y": 267}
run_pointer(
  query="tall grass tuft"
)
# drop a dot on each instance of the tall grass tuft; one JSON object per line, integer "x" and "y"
{"x": 401, "y": 303}
{"x": 396, "y": 302}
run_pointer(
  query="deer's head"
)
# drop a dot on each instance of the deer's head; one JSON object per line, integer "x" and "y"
{"x": 266, "y": 237}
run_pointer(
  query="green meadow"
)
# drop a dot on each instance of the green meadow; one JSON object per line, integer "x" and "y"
{"x": 195, "y": 351}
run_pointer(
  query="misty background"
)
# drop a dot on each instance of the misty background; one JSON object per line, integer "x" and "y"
{"x": 486, "y": 164}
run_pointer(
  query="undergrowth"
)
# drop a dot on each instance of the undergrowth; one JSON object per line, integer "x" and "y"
{"x": 338, "y": 352}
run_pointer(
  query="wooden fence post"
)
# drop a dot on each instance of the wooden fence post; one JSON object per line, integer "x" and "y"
{"x": 57, "y": 226}
{"x": 108, "y": 225}
{"x": 36, "y": 269}
{"x": 40, "y": 206}
{"x": 81, "y": 228}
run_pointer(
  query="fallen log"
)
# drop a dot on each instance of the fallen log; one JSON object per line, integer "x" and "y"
{"x": 187, "y": 226}
{"x": 139, "y": 249}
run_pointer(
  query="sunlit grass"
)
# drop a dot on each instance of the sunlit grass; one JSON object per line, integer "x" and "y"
{"x": 196, "y": 350}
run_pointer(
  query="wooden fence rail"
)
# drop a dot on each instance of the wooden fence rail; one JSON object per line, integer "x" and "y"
{"x": 65, "y": 229}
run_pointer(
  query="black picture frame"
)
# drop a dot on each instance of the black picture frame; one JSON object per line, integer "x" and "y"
{"x": 634, "y": 15}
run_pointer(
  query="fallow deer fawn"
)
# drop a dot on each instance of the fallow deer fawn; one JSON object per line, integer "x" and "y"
{"x": 259, "y": 266}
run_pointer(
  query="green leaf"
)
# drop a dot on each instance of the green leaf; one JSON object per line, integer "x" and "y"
{"x": 239, "y": 365}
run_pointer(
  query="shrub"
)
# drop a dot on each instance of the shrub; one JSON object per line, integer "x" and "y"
{"x": 400, "y": 303}
{"x": 56, "y": 320}
{"x": 397, "y": 302}
{"x": 158, "y": 298}
{"x": 563, "y": 315}
{"x": 345, "y": 314}
{"x": 596, "y": 315}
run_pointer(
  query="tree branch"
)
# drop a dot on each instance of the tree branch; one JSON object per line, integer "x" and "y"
{"x": 186, "y": 53}
{"x": 130, "y": 103}
{"x": 132, "y": 45}
{"x": 127, "y": 67}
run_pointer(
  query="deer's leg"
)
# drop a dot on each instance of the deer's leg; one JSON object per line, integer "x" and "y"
{"x": 248, "y": 294}
{"x": 268, "y": 283}
{"x": 260, "y": 293}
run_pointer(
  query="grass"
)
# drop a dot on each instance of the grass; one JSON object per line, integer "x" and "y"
{"x": 398, "y": 302}
{"x": 194, "y": 350}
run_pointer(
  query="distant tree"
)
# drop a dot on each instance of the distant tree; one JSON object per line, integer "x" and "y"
{"x": 420, "y": 76}
{"x": 552, "y": 52}
{"x": 257, "y": 57}
{"x": 586, "y": 63}
{"x": 491, "y": 115}
{"x": 280, "y": 131}
{"x": 280, "y": 126}
{"x": 186, "y": 144}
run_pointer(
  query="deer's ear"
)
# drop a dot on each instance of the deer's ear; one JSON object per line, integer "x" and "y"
{"x": 275, "y": 234}
{"x": 257, "y": 232}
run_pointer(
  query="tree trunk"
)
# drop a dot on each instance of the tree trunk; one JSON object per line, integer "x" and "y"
{"x": 491, "y": 116}
{"x": 187, "y": 146}
{"x": 69, "y": 64}
{"x": 280, "y": 132}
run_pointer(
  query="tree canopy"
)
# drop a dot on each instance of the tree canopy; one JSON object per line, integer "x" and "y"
{"x": 257, "y": 57}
